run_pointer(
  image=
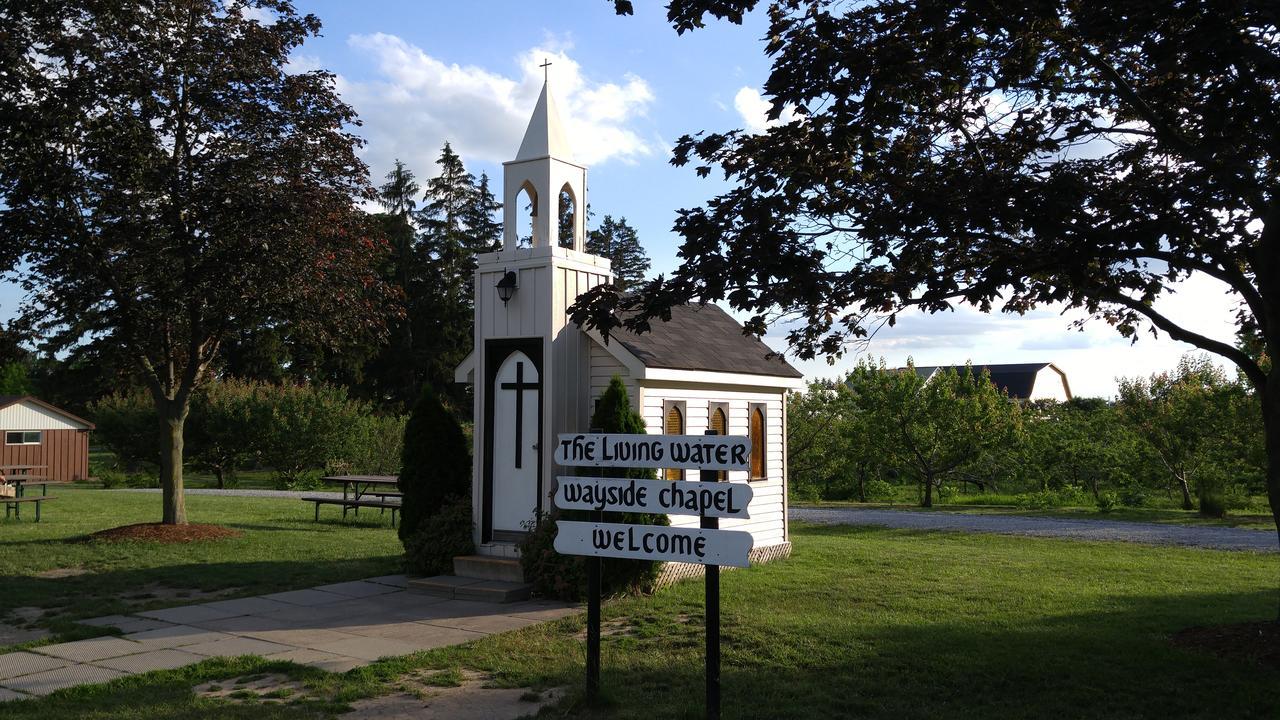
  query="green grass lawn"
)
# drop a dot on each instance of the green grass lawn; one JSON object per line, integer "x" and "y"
{"x": 1251, "y": 520}
{"x": 281, "y": 548}
{"x": 861, "y": 622}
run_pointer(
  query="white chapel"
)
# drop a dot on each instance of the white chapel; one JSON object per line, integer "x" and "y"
{"x": 536, "y": 374}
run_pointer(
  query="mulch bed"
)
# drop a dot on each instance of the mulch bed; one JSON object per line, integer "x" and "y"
{"x": 159, "y": 532}
{"x": 1257, "y": 642}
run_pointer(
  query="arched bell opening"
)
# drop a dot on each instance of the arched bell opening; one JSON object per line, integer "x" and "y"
{"x": 526, "y": 216}
{"x": 566, "y": 222}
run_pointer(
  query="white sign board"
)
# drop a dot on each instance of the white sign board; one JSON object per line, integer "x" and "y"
{"x": 712, "y": 499}
{"x": 705, "y": 452}
{"x": 654, "y": 542}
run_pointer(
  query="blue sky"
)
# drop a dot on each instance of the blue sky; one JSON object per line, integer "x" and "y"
{"x": 422, "y": 73}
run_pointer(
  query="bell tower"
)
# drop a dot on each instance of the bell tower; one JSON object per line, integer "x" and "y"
{"x": 530, "y": 368}
{"x": 544, "y": 168}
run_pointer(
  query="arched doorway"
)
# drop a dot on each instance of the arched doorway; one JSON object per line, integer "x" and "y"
{"x": 512, "y": 453}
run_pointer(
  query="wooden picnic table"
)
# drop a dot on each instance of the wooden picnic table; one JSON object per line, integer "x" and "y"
{"x": 357, "y": 491}
{"x": 20, "y": 469}
{"x": 19, "y": 476}
{"x": 358, "y": 486}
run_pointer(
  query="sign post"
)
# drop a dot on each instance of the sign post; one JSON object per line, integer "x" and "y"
{"x": 705, "y": 545}
{"x": 593, "y": 620}
{"x": 712, "y": 602}
{"x": 593, "y": 611}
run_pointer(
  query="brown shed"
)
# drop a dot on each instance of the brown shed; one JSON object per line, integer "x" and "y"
{"x": 37, "y": 433}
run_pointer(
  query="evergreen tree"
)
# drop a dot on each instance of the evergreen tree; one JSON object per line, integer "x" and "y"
{"x": 436, "y": 462}
{"x": 564, "y": 576}
{"x": 614, "y": 415}
{"x": 395, "y": 363}
{"x": 457, "y": 222}
{"x": 618, "y": 241}
{"x": 483, "y": 220}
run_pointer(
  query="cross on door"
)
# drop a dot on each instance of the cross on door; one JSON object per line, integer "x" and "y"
{"x": 519, "y": 386}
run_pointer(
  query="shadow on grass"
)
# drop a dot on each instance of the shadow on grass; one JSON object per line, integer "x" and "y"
{"x": 167, "y": 694}
{"x": 103, "y": 593}
{"x": 1115, "y": 664}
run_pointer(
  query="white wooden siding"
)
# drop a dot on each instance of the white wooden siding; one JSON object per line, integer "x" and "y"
{"x": 26, "y": 415}
{"x": 768, "y": 504}
{"x": 603, "y": 367}
{"x": 550, "y": 279}
{"x": 1049, "y": 385}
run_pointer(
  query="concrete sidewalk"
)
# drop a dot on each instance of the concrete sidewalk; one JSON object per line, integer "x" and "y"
{"x": 334, "y": 627}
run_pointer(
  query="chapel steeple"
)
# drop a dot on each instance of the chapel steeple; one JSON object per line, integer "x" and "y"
{"x": 544, "y": 168}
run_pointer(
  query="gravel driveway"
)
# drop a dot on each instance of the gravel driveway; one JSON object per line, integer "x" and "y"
{"x": 1205, "y": 537}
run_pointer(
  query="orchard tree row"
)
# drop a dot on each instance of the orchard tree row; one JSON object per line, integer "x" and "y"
{"x": 1191, "y": 438}
{"x": 297, "y": 432}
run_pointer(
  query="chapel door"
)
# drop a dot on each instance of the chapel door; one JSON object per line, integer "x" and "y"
{"x": 515, "y": 452}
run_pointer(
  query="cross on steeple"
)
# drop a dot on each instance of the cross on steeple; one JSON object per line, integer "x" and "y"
{"x": 545, "y": 64}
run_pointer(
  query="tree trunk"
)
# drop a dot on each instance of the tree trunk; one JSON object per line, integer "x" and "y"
{"x": 1186, "y": 493}
{"x": 862, "y": 485}
{"x": 1271, "y": 428}
{"x": 217, "y": 474}
{"x": 928, "y": 492}
{"x": 173, "y": 417}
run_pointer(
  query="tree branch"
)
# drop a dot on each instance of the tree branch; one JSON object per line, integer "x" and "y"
{"x": 1177, "y": 332}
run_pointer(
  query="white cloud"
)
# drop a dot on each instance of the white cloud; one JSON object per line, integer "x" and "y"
{"x": 302, "y": 63}
{"x": 416, "y": 102}
{"x": 754, "y": 110}
{"x": 1093, "y": 358}
{"x": 262, "y": 16}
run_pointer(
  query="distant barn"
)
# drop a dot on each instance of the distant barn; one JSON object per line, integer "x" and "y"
{"x": 37, "y": 433}
{"x": 1023, "y": 381}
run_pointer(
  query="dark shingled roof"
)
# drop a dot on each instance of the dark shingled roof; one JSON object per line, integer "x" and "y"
{"x": 703, "y": 337}
{"x": 1017, "y": 379}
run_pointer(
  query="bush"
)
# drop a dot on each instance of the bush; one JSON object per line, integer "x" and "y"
{"x": 220, "y": 435}
{"x": 436, "y": 462}
{"x": 128, "y": 425}
{"x": 380, "y": 446}
{"x": 441, "y": 537}
{"x": 299, "y": 429}
{"x": 142, "y": 480}
{"x": 110, "y": 478}
{"x": 1213, "y": 505}
{"x": 879, "y": 491}
{"x": 1108, "y": 501}
{"x": 1134, "y": 496}
{"x": 563, "y": 577}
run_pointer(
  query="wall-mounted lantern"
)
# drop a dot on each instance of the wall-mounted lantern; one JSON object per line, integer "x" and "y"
{"x": 507, "y": 286}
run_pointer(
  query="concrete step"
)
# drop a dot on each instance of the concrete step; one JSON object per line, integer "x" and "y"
{"x": 488, "y": 567}
{"x": 440, "y": 585}
{"x": 494, "y": 591}
{"x": 464, "y": 588}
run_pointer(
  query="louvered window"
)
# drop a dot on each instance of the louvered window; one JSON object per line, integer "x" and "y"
{"x": 758, "y": 439}
{"x": 720, "y": 423}
{"x": 675, "y": 426}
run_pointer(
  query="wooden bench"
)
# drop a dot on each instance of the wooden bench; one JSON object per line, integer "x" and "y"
{"x": 14, "y": 505}
{"x": 356, "y": 504}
